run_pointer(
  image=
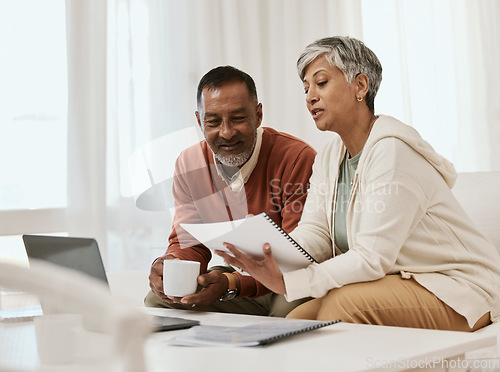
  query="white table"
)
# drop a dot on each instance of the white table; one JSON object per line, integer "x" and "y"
{"x": 340, "y": 347}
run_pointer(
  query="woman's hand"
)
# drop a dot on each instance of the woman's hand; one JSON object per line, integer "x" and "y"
{"x": 265, "y": 271}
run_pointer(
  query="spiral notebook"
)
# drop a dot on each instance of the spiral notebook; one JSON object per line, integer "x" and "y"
{"x": 249, "y": 235}
{"x": 251, "y": 335}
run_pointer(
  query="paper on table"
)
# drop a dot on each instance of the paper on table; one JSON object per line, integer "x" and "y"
{"x": 252, "y": 335}
{"x": 249, "y": 235}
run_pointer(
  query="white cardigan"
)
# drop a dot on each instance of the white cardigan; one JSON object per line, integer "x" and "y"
{"x": 402, "y": 218}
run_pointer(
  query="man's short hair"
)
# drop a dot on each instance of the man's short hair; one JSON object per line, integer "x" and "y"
{"x": 221, "y": 75}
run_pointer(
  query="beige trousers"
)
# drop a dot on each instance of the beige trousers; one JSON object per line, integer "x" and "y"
{"x": 390, "y": 301}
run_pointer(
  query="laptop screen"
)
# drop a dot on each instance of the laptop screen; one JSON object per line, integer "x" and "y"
{"x": 81, "y": 254}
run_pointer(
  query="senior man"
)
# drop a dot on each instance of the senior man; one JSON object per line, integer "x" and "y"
{"x": 239, "y": 169}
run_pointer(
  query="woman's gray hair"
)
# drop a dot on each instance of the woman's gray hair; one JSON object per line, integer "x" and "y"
{"x": 349, "y": 55}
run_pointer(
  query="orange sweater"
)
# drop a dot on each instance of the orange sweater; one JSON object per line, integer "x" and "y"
{"x": 278, "y": 186}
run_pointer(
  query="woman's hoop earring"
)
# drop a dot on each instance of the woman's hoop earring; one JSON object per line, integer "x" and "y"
{"x": 359, "y": 99}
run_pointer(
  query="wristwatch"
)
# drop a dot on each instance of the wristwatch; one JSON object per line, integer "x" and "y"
{"x": 231, "y": 288}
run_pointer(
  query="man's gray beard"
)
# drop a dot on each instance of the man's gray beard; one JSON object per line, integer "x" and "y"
{"x": 236, "y": 160}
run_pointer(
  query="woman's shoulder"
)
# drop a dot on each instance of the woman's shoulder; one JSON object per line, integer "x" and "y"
{"x": 388, "y": 126}
{"x": 395, "y": 143}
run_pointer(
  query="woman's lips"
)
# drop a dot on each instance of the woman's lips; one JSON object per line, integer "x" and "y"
{"x": 317, "y": 113}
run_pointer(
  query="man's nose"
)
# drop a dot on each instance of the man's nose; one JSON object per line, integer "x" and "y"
{"x": 227, "y": 130}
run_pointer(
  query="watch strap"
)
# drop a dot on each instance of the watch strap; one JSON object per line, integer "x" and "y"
{"x": 231, "y": 281}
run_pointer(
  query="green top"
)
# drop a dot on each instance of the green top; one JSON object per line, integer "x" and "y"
{"x": 346, "y": 176}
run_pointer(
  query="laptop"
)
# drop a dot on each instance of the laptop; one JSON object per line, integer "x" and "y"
{"x": 82, "y": 254}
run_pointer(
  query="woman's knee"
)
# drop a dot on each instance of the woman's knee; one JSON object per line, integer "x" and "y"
{"x": 335, "y": 305}
{"x": 341, "y": 304}
{"x": 307, "y": 310}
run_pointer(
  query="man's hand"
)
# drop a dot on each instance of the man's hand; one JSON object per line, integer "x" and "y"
{"x": 156, "y": 277}
{"x": 214, "y": 285}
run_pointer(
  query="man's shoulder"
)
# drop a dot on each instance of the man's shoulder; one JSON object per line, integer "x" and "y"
{"x": 195, "y": 155}
{"x": 195, "y": 148}
{"x": 282, "y": 142}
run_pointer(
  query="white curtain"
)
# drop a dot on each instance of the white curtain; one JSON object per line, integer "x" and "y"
{"x": 477, "y": 56}
{"x": 155, "y": 54}
{"x": 134, "y": 66}
{"x": 86, "y": 48}
{"x": 261, "y": 37}
{"x": 441, "y": 74}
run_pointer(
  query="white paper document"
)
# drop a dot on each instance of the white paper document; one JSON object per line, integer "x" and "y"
{"x": 252, "y": 335}
{"x": 249, "y": 235}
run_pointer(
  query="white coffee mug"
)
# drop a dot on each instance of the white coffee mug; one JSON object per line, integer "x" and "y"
{"x": 180, "y": 277}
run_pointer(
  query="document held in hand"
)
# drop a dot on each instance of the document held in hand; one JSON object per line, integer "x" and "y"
{"x": 249, "y": 235}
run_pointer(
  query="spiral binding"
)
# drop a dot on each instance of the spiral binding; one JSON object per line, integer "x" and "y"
{"x": 269, "y": 340}
{"x": 290, "y": 239}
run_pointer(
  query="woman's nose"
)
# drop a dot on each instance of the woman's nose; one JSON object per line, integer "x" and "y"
{"x": 311, "y": 96}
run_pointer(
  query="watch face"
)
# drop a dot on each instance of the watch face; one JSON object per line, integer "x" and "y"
{"x": 229, "y": 295}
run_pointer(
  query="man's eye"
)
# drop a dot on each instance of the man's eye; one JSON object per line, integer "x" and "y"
{"x": 238, "y": 118}
{"x": 322, "y": 83}
{"x": 212, "y": 123}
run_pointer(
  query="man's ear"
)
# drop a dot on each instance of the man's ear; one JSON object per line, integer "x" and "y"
{"x": 198, "y": 119}
{"x": 259, "y": 114}
{"x": 362, "y": 85}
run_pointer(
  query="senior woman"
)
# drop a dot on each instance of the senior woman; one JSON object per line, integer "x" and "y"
{"x": 395, "y": 247}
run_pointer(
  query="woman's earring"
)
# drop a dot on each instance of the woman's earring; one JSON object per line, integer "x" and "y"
{"x": 359, "y": 99}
